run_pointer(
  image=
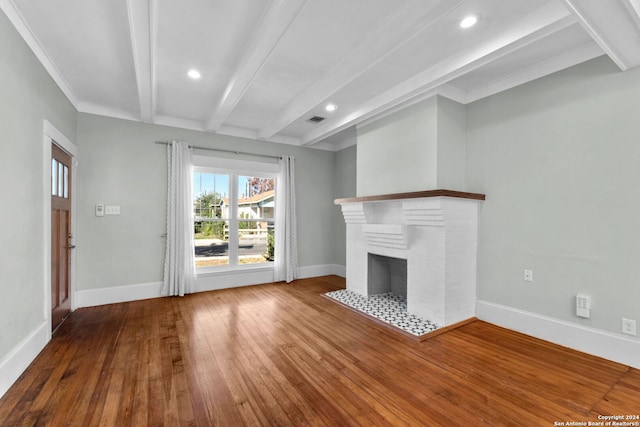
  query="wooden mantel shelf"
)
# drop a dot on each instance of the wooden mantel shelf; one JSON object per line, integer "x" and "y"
{"x": 412, "y": 195}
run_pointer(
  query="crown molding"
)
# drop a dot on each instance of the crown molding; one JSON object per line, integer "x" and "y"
{"x": 15, "y": 17}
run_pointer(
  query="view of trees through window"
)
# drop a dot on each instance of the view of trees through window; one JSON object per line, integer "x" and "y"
{"x": 234, "y": 219}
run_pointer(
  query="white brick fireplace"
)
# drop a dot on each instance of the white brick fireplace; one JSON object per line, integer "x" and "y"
{"x": 435, "y": 232}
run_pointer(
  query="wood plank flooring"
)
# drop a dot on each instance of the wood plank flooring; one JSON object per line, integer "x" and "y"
{"x": 283, "y": 355}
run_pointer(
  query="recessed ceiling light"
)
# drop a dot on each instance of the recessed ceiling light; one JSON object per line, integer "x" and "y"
{"x": 469, "y": 21}
{"x": 194, "y": 74}
{"x": 331, "y": 107}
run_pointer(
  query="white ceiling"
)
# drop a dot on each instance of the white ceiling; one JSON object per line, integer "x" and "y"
{"x": 268, "y": 66}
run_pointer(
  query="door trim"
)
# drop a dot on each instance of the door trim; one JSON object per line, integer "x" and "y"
{"x": 53, "y": 135}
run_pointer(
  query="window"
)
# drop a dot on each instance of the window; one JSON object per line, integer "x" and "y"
{"x": 59, "y": 179}
{"x": 233, "y": 213}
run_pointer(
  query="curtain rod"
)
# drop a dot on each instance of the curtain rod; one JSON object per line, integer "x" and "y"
{"x": 224, "y": 151}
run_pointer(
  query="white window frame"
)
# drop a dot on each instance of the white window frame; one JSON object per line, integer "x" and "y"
{"x": 234, "y": 168}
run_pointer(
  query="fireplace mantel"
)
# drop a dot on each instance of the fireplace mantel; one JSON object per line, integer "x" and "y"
{"x": 434, "y": 231}
{"x": 412, "y": 195}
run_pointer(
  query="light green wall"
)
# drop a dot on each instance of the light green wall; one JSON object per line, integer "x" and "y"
{"x": 344, "y": 185}
{"x": 398, "y": 153}
{"x": 27, "y": 97}
{"x": 122, "y": 166}
{"x": 421, "y": 147}
{"x": 451, "y": 166}
{"x": 558, "y": 159}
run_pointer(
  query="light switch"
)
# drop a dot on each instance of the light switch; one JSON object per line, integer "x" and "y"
{"x": 112, "y": 210}
{"x": 99, "y": 209}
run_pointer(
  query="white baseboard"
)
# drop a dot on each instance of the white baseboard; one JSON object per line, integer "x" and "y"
{"x": 322, "y": 270}
{"x": 19, "y": 358}
{"x": 115, "y": 294}
{"x": 340, "y": 270}
{"x": 205, "y": 282}
{"x": 607, "y": 345}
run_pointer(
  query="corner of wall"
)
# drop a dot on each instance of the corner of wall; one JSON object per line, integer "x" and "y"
{"x": 20, "y": 357}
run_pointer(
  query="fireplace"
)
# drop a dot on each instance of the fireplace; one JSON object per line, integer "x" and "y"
{"x": 386, "y": 275}
{"x": 422, "y": 245}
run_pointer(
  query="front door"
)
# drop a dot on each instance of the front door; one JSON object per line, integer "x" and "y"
{"x": 60, "y": 234}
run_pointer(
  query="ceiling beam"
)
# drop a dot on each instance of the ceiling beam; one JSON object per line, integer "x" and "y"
{"x": 568, "y": 58}
{"x": 274, "y": 23}
{"x": 614, "y": 25}
{"x": 398, "y": 29}
{"x": 427, "y": 82}
{"x": 635, "y": 5}
{"x": 140, "y": 24}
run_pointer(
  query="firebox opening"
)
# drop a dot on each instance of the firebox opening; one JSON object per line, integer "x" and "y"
{"x": 387, "y": 274}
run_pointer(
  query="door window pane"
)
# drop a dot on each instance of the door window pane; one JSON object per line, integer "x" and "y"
{"x": 66, "y": 183}
{"x": 54, "y": 177}
{"x": 60, "y": 179}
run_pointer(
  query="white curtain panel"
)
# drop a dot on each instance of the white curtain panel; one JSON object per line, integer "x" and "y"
{"x": 179, "y": 264}
{"x": 286, "y": 251}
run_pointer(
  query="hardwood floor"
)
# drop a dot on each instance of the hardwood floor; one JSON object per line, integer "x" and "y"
{"x": 283, "y": 355}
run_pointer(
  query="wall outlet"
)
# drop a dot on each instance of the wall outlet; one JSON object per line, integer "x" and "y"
{"x": 528, "y": 275}
{"x": 583, "y": 306}
{"x": 629, "y": 326}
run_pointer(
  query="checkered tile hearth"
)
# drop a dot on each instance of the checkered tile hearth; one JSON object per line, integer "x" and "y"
{"x": 388, "y": 308}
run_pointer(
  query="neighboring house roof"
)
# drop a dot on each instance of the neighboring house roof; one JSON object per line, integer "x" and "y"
{"x": 256, "y": 198}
